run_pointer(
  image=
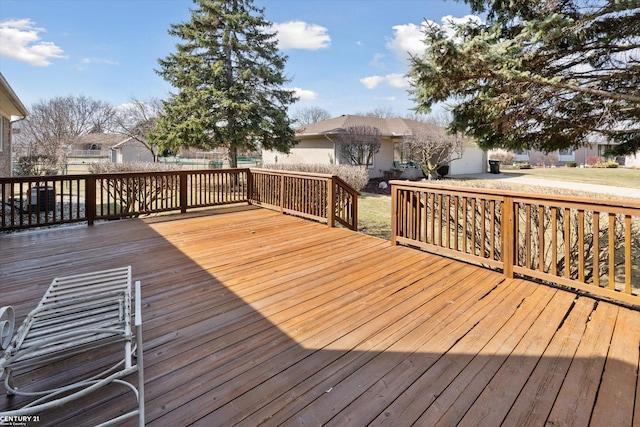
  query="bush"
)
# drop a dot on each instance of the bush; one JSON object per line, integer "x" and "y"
{"x": 506, "y": 158}
{"x": 592, "y": 160}
{"x": 140, "y": 194}
{"x": 522, "y": 165}
{"x": 36, "y": 165}
{"x": 109, "y": 167}
{"x": 356, "y": 176}
{"x": 571, "y": 164}
{"x": 610, "y": 164}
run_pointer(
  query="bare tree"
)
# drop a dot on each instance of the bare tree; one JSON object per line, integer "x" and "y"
{"x": 431, "y": 147}
{"x": 308, "y": 115}
{"x": 380, "y": 112}
{"x": 358, "y": 144}
{"x": 52, "y": 125}
{"x": 137, "y": 118}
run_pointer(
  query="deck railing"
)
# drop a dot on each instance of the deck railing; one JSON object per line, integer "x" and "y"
{"x": 29, "y": 202}
{"x": 321, "y": 197}
{"x": 587, "y": 244}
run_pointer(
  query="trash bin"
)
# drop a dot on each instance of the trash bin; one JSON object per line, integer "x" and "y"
{"x": 494, "y": 166}
{"x": 42, "y": 199}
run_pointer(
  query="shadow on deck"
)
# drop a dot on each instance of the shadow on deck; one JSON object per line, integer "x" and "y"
{"x": 255, "y": 317}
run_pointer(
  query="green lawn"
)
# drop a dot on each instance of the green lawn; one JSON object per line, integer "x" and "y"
{"x": 374, "y": 215}
{"x": 616, "y": 177}
{"x": 374, "y": 211}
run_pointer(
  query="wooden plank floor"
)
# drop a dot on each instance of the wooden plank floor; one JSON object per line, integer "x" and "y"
{"x": 252, "y": 317}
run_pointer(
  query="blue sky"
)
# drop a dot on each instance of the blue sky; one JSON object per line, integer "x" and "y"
{"x": 345, "y": 56}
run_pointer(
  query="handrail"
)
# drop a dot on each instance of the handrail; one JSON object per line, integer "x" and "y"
{"x": 29, "y": 202}
{"x": 588, "y": 244}
{"x": 320, "y": 197}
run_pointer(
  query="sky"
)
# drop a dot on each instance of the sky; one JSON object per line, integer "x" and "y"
{"x": 344, "y": 56}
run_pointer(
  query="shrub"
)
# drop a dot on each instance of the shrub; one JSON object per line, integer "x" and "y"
{"x": 109, "y": 167}
{"x": 522, "y": 165}
{"x": 36, "y": 165}
{"x": 609, "y": 164}
{"x": 356, "y": 176}
{"x": 505, "y": 157}
{"x": 592, "y": 160}
{"x": 571, "y": 164}
{"x": 139, "y": 194}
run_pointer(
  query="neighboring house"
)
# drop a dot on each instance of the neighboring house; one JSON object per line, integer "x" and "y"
{"x": 11, "y": 108}
{"x": 130, "y": 150}
{"x": 581, "y": 156}
{"x": 317, "y": 143}
{"x": 104, "y": 147}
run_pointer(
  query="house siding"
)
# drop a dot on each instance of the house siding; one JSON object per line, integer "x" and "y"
{"x": 314, "y": 151}
{"x": 473, "y": 161}
{"x": 5, "y": 147}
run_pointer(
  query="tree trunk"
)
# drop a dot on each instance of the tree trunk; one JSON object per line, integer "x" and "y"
{"x": 233, "y": 156}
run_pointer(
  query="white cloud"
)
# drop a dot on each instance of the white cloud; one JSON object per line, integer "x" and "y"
{"x": 395, "y": 80}
{"x": 399, "y": 81}
{"x": 408, "y": 39}
{"x": 377, "y": 61}
{"x": 304, "y": 94}
{"x": 85, "y": 62}
{"x": 20, "y": 40}
{"x": 372, "y": 81}
{"x": 301, "y": 35}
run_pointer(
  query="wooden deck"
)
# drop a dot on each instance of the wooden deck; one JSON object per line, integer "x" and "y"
{"x": 254, "y": 317}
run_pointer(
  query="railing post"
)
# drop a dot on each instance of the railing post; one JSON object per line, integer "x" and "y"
{"x": 281, "y": 192}
{"x": 331, "y": 212}
{"x": 183, "y": 192}
{"x": 249, "y": 186}
{"x": 508, "y": 239}
{"x": 394, "y": 214}
{"x": 91, "y": 196}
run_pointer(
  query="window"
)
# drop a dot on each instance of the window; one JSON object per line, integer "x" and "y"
{"x": 402, "y": 156}
{"x": 566, "y": 155}
{"x": 1, "y": 133}
{"x": 522, "y": 155}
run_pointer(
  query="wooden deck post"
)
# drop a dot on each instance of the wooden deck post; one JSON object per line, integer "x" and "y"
{"x": 249, "y": 181}
{"x": 331, "y": 211}
{"x": 183, "y": 191}
{"x": 90, "y": 198}
{"x": 394, "y": 214}
{"x": 508, "y": 238}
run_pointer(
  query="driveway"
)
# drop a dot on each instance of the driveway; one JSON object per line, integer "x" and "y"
{"x": 578, "y": 186}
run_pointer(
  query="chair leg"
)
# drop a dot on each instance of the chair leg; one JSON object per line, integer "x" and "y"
{"x": 9, "y": 385}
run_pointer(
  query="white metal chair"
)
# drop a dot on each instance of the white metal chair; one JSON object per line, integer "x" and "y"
{"x": 77, "y": 314}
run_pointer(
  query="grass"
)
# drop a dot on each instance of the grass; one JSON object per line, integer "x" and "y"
{"x": 615, "y": 177}
{"x": 374, "y": 215}
{"x": 374, "y": 210}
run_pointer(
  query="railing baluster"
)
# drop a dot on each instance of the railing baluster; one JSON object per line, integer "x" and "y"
{"x": 548, "y": 237}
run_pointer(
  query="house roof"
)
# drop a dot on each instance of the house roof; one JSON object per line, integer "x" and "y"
{"x": 103, "y": 140}
{"x": 125, "y": 142}
{"x": 9, "y": 101}
{"x": 387, "y": 127}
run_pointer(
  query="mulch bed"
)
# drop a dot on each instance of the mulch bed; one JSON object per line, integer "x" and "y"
{"x": 373, "y": 187}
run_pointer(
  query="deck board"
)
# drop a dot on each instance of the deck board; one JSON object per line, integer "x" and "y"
{"x": 253, "y": 317}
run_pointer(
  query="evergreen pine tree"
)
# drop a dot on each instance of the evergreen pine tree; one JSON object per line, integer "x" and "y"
{"x": 229, "y": 77}
{"x": 538, "y": 74}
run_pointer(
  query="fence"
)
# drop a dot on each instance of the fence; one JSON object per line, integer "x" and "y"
{"x": 51, "y": 200}
{"x": 591, "y": 245}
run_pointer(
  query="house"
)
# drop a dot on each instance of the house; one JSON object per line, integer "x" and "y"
{"x": 131, "y": 150}
{"x": 104, "y": 147}
{"x": 587, "y": 155}
{"x": 10, "y": 108}
{"x": 319, "y": 143}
